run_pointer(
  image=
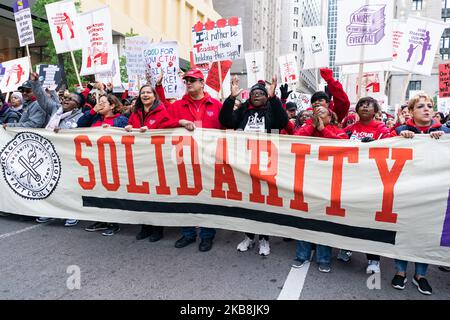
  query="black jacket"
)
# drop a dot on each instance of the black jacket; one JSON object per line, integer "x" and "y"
{"x": 7, "y": 115}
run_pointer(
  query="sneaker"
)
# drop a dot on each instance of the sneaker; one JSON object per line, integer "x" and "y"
{"x": 98, "y": 226}
{"x": 423, "y": 286}
{"x": 344, "y": 255}
{"x": 373, "y": 267}
{"x": 325, "y": 267}
{"x": 156, "y": 235}
{"x": 146, "y": 231}
{"x": 43, "y": 220}
{"x": 299, "y": 263}
{"x": 205, "y": 245}
{"x": 399, "y": 282}
{"x": 112, "y": 230}
{"x": 264, "y": 248}
{"x": 246, "y": 244}
{"x": 71, "y": 223}
{"x": 184, "y": 242}
{"x": 445, "y": 269}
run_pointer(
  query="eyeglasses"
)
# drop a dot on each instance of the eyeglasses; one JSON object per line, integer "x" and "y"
{"x": 191, "y": 80}
{"x": 257, "y": 94}
{"x": 25, "y": 91}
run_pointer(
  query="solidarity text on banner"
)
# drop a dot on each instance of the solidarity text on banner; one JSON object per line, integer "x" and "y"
{"x": 302, "y": 188}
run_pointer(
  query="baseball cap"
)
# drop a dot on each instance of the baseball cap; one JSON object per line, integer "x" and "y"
{"x": 26, "y": 85}
{"x": 194, "y": 73}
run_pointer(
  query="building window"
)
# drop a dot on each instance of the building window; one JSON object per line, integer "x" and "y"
{"x": 295, "y": 35}
{"x": 414, "y": 86}
{"x": 416, "y": 5}
{"x": 295, "y": 10}
{"x": 294, "y": 47}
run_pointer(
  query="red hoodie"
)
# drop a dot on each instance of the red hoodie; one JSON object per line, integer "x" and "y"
{"x": 330, "y": 132}
{"x": 375, "y": 130}
{"x": 158, "y": 118}
{"x": 340, "y": 103}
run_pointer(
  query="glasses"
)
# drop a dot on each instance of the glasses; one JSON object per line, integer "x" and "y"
{"x": 191, "y": 80}
{"x": 69, "y": 99}
{"x": 25, "y": 91}
{"x": 257, "y": 94}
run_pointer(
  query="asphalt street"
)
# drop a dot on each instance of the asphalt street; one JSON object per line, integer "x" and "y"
{"x": 53, "y": 262}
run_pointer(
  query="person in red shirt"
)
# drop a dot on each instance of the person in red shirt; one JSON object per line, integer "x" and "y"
{"x": 149, "y": 113}
{"x": 105, "y": 113}
{"x": 203, "y": 110}
{"x": 323, "y": 125}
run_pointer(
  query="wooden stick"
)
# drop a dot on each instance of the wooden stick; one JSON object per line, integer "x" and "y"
{"x": 220, "y": 79}
{"x": 7, "y": 97}
{"x": 29, "y": 57}
{"x": 405, "y": 86}
{"x": 76, "y": 69}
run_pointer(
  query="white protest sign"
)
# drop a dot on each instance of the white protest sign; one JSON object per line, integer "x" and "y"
{"x": 419, "y": 45}
{"x": 217, "y": 41}
{"x": 113, "y": 76}
{"x": 134, "y": 48}
{"x": 315, "y": 43}
{"x": 64, "y": 26}
{"x": 364, "y": 31}
{"x": 255, "y": 62}
{"x": 302, "y": 100}
{"x": 288, "y": 69}
{"x": 16, "y": 73}
{"x": 443, "y": 105}
{"x": 163, "y": 57}
{"x": 51, "y": 76}
{"x": 24, "y": 22}
{"x": 373, "y": 85}
{"x": 96, "y": 32}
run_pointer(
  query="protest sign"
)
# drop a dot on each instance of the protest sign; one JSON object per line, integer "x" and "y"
{"x": 2, "y": 72}
{"x": 134, "y": 48}
{"x": 213, "y": 79}
{"x": 302, "y": 100}
{"x": 163, "y": 57}
{"x": 112, "y": 77}
{"x": 64, "y": 26}
{"x": 373, "y": 85}
{"x": 443, "y": 105}
{"x": 364, "y": 31}
{"x": 315, "y": 43}
{"x": 15, "y": 73}
{"x": 288, "y": 69}
{"x": 248, "y": 182}
{"x": 256, "y": 70}
{"x": 24, "y": 22}
{"x": 444, "y": 80}
{"x": 96, "y": 33}
{"x": 419, "y": 45}
{"x": 51, "y": 76}
{"x": 217, "y": 41}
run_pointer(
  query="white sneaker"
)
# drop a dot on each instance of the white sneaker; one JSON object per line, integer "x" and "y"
{"x": 264, "y": 248}
{"x": 246, "y": 244}
{"x": 373, "y": 267}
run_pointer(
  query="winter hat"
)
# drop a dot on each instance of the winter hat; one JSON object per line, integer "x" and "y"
{"x": 319, "y": 96}
{"x": 18, "y": 95}
{"x": 291, "y": 106}
{"x": 261, "y": 85}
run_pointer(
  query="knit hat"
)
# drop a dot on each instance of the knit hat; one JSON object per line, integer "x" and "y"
{"x": 291, "y": 106}
{"x": 319, "y": 96}
{"x": 261, "y": 85}
{"x": 18, "y": 95}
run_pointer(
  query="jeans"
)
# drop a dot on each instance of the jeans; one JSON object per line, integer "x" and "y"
{"x": 323, "y": 253}
{"x": 205, "y": 233}
{"x": 421, "y": 268}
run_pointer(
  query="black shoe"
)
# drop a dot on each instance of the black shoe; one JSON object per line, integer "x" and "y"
{"x": 423, "y": 286}
{"x": 98, "y": 226}
{"x": 445, "y": 269}
{"x": 112, "y": 230}
{"x": 287, "y": 240}
{"x": 399, "y": 282}
{"x": 184, "y": 242}
{"x": 205, "y": 245}
{"x": 146, "y": 231}
{"x": 157, "y": 234}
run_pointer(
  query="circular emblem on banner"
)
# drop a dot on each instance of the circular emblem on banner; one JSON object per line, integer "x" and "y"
{"x": 31, "y": 166}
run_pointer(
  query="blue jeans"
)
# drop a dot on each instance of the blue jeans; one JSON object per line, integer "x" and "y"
{"x": 205, "y": 233}
{"x": 421, "y": 268}
{"x": 323, "y": 253}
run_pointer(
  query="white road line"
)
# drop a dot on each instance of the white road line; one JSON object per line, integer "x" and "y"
{"x": 11, "y": 234}
{"x": 293, "y": 286}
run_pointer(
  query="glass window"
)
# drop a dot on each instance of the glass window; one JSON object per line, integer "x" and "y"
{"x": 416, "y": 5}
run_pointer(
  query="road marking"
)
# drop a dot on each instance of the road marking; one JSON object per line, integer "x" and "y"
{"x": 293, "y": 286}
{"x": 11, "y": 234}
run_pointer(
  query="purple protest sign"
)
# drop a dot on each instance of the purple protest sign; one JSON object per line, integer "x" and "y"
{"x": 367, "y": 26}
{"x": 445, "y": 240}
{"x": 20, "y": 5}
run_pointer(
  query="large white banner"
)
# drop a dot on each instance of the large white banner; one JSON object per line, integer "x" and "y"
{"x": 217, "y": 41}
{"x": 256, "y": 67}
{"x": 364, "y": 31}
{"x": 24, "y": 22}
{"x": 64, "y": 26}
{"x": 96, "y": 31}
{"x": 134, "y": 48}
{"x": 419, "y": 45}
{"x": 163, "y": 57}
{"x": 294, "y": 187}
{"x": 288, "y": 69}
{"x": 16, "y": 72}
{"x": 315, "y": 43}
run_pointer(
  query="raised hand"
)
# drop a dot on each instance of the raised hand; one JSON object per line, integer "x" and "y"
{"x": 235, "y": 90}
{"x": 273, "y": 87}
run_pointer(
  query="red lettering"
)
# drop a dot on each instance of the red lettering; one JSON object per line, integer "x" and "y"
{"x": 300, "y": 151}
{"x": 90, "y": 184}
{"x": 269, "y": 176}
{"x": 114, "y": 186}
{"x": 338, "y": 153}
{"x": 389, "y": 178}
{"x": 163, "y": 188}
{"x": 184, "y": 189}
{"x": 224, "y": 174}
{"x": 132, "y": 187}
